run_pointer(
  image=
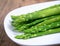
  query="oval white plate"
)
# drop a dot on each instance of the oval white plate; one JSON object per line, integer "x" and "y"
{"x": 42, "y": 40}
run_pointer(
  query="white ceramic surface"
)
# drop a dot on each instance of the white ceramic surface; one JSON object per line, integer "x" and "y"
{"x": 42, "y": 40}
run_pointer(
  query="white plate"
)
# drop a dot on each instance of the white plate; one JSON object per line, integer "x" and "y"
{"x": 42, "y": 40}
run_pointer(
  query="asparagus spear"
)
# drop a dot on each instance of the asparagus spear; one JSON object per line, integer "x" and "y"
{"x": 14, "y": 17}
{"x": 28, "y": 36}
{"x": 36, "y": 28}
{"x": 40, "y": 14}
{"x": 16, "y": 24}
{"x": 26, "y": 26}
{"x": 50, "y": 26}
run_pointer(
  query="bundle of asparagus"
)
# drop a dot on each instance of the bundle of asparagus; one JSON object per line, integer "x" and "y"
{"x": 37, "y": 27}
{"x": 38, "y": 23}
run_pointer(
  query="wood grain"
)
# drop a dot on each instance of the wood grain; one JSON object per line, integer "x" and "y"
{"x": 5, "y": 7}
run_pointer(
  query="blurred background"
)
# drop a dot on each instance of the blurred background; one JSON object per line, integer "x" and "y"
{"x": 5, "y": 7}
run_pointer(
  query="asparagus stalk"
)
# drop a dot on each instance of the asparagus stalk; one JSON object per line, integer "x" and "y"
{"x": 16, "y": 24}
{"x": 50, "y": 26}
{"x": 14, "y": 17}
{"x": 28, "y": 36}
{"x": 37, "y": 27}
{"x": 26, "y": 26}
{"x": 39, "y": 14}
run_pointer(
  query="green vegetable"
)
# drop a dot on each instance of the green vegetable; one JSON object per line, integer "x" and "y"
{"x": 47, "y": 27}
{"x": 36, "y": 28}
{"x": 26, "y": 26}
{"x": 38, "y": 23}
{"x": 53, "y": 10}
{"x": 14, "y": 17}
{"x": 15, "y": 24}
{"x": 27, "y": 36}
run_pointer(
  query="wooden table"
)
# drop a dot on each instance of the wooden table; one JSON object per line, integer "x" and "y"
{"x": 5, "y": 7}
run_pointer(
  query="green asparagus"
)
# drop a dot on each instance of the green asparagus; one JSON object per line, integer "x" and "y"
{"x": 36, "y": 28}
{"x": 39, "y": 14}
{"x": 14, "y": 17}
{"x": 27, "y": 36}
{"x": 26, "y": 26}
